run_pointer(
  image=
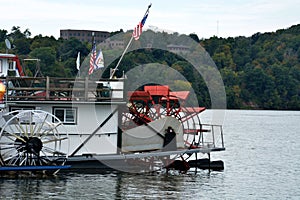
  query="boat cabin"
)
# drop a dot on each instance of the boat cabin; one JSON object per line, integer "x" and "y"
{"x": 10, "y": 65}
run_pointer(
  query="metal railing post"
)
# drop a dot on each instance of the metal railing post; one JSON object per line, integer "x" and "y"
{"x": 86, "y": 88}
{"x": 47, "y": 87}
{"x": 222, "y": 136}
{"x": 213, "y": 135}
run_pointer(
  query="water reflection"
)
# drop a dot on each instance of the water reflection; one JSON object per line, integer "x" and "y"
{"x": 162, "y": 186}
{"x": 29, "y": 188}
{"x": 109, "y": 185}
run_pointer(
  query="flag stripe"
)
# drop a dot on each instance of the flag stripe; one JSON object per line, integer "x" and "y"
{"x": 138, "y": 29}
{"x": 93, "y": 58}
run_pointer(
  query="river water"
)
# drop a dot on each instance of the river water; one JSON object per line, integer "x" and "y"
{"x": 262, "y": 161}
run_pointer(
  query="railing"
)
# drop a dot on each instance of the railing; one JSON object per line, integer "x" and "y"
{"x": 212, "y": 136}
{"x": 63, "y": 89}
{"x": 207, "y": 136}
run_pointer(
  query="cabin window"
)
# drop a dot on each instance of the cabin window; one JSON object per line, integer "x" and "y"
{"x": 11, "y": 65}
{"x": 0, "y": 66}
{"x": 26, "y": 117}
{"x": 66, "y": 115}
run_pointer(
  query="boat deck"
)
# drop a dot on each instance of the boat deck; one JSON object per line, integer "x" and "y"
{"x": 63, "y": 89}
{"x": 146, "y": 154}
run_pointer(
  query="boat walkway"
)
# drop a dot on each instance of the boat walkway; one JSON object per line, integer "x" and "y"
{"x": 63, "y": 89}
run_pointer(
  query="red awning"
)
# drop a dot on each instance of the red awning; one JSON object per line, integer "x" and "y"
{"x": 139, "y": 95}
{"x": 157, "y": 90}
{"x": 183, "y": 95}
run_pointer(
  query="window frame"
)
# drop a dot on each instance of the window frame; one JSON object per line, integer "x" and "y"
{"x": 21, "y": 108}
{"x": 11, "y": 65}
{"x": 65, "y": 120}
{"x": 14, "y": 108}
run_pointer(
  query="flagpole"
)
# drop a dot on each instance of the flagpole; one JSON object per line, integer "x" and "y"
{"x": 91, "y": 68}
{"x": 115, "y": 69}
{"x": 125, "y": 50}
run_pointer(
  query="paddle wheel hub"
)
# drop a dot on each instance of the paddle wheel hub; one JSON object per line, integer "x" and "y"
{"x": 32, "y": 145}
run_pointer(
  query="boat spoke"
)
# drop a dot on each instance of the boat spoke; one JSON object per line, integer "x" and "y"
{"x": 54, "y": 140}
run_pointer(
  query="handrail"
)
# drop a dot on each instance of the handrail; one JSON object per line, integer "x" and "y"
{"x": 208, "y": 135}
{"x": 216, "y": 134}
{"x": 66, "y": 89}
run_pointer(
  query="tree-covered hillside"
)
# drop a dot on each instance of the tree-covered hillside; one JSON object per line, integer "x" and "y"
{"x": 261, "y": 71}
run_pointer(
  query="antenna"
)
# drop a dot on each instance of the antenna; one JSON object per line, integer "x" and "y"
{"x": 8, "y": 45}
{"x": 217, "y": 28}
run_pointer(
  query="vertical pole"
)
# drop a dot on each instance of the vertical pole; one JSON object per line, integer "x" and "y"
{"x": 222, "y": 136}
{"x": 120, "y": 132}
{"x": 86, "y": 88}
{"x": 209, "y": 162}
{"x": 202, "y": 135}
{"x": 196, "y": 162}
{"x": 213, "y": 135}
{"x": 6, "y": 92}
{"x": 47, "y": 87}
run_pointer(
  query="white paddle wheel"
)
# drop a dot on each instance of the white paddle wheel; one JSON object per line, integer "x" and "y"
{"x": 32, "y": 138}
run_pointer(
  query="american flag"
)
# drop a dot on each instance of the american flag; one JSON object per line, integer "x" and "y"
{"x": 138, "y": 29}
{"x": 93, "y": 58}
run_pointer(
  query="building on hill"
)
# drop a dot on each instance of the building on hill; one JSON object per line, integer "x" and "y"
{"x": 178, "y": 48}
{"x": 87, "y": 36}
{"x": 84, "y": 35}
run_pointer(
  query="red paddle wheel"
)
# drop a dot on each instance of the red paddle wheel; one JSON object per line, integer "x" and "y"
{"x": 156, "y": 102}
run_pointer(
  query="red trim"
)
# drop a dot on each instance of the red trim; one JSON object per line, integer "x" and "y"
{"x": 19, "y": 67}
{"x": 16, "y": 59}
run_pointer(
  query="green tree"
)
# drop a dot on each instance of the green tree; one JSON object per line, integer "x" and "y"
{"x": 40, "y": 41}
{"x": 194, "y": 37}
{"x": 22, "y": 46}
{"x": 70, "y": 48}
{"x": 3, "y": 34}
{"x": 47, "y": 57}
{"x": 16, "y": 33}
